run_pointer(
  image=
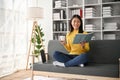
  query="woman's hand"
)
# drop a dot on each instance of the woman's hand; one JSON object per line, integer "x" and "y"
{"x": 82, "y": 44}
{"x": 63, "y": 42}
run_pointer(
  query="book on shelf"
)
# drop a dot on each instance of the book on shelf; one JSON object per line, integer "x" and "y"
{"x": 89, "y": 27}
{"x": 62, "y": 26}
{"x": 110, "y": 26}
{"x": 81, "y": 13}
{"x": 59, "y": 15}
{"x": 56, "y": 16}
{"x": 82, "y": 38}
{"x": 59, "y": 4}
{"x": 90, "y": 12}
{"x": 107, "y": 11}
{"x": 107, "y": 7}
{"x": 76, "y": 11}
{"x": 62, "y": 14}
{"x": 110, "y": 36}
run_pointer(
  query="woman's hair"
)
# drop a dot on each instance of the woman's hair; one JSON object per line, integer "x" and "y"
{"x": 80, "y": 27}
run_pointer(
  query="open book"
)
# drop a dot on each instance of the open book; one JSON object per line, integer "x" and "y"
{"x": 82, "y": 37}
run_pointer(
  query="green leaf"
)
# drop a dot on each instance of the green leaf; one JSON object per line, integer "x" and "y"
{"x": 38, "y": 46}
{"x": 33, "y": 40}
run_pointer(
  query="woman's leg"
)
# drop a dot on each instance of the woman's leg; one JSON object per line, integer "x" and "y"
{"x": 61, "y": 57}
{"x": 81, "y": 59}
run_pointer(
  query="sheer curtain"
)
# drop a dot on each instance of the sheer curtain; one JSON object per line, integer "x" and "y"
{"x": 13, "y": 35}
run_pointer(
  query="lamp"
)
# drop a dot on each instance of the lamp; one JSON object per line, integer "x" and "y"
{"x": 34, "y": 13}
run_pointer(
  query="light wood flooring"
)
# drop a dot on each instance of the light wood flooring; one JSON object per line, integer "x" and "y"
{"x": 23, "y": 74}
{"x": 18, "y": 75}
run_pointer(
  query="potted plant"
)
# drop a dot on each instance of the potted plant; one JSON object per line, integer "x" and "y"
{"x": 37, "y": 40}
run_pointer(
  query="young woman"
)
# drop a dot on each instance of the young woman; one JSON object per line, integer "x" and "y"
{"x": 77, "y": 55}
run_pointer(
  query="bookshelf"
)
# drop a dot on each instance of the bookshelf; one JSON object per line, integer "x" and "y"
{"x": 99, "y": 16}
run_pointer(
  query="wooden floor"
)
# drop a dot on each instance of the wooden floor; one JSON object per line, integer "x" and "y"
{"x": 18, "y": 75}
{"x": 23, "y": 74}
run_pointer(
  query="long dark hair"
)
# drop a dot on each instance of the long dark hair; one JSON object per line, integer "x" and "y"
{"x": 81, "y": 26}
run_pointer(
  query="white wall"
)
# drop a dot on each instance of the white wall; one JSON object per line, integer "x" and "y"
{"x": 46, "y": 22}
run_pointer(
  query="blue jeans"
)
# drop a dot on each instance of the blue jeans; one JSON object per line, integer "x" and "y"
{"x": 70, "y": 60}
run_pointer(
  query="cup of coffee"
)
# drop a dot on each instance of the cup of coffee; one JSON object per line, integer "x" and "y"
{"x": 61, "y": 38}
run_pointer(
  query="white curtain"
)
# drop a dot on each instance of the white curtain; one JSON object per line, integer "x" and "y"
{"x": 13, "y": 35}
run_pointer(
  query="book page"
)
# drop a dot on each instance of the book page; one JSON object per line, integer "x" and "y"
{"x": 82, "y": 38}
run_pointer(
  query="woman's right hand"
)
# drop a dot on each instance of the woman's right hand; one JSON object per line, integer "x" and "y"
{"x": 63, "y": 42}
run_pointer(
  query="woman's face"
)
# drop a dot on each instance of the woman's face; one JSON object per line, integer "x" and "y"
{"x": 76, "y": 23}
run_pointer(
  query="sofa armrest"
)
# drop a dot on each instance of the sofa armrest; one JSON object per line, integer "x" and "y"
{"x": 55, "y": 45}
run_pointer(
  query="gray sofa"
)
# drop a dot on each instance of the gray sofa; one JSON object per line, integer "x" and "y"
{"x": 103, "y": 59}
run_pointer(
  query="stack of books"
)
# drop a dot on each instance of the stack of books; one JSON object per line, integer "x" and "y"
{"x": 56, "y": 16}
{"x": 76, "y": 11}
{"x": 60, "y": 3}
{"x": 89, "y": 27}
{"x": 110, "y": 26}
{"x": 62, "y": 26}
{"x": 107, "y": 11}
{"x": 110, "y": 36}
{"x": 59, "y": 15}
{"x": 90, "y": 12}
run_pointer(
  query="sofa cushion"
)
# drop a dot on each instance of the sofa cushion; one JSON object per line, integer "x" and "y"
{"x": 104, "y": 51}
{"x": 106, "y": 70}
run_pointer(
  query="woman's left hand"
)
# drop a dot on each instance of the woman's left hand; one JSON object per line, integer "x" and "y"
{"x": 82, "y": 44}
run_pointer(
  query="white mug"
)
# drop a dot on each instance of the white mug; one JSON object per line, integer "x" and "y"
{"x": 62, "y": 38}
